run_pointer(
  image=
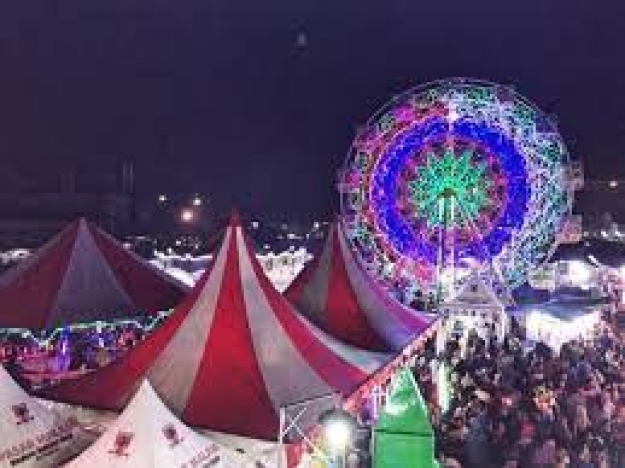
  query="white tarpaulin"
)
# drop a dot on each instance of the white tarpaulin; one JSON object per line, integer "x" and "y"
{"x": 148, "y": 435}
{"x": 32, "y": 436}
{"x": 541, "y": 326}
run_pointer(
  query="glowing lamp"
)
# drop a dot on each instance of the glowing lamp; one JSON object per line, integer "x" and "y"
{"x": 579, "y": 273}
{"x": 187, "y": 216}
{"x": 338, "y": 429}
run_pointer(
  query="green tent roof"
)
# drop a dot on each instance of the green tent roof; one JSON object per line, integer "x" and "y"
{"x": 403, "y": 436}
{"x": 405, "y": 411}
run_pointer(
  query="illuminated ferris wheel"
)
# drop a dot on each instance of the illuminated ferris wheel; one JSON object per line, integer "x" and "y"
{"x": 455, "y": 177}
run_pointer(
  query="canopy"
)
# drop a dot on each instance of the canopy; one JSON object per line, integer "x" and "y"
{"x": 32, "y": 435}
{"x": 555, "y": 326}
{"x": 147, "y": 434}
{"x": 403, "y": 434}
{"x": 475, "y": 294}
{"x": 231, "y": 355}
{"x": 82, "y": 275}
{"x": 340, "y": 297}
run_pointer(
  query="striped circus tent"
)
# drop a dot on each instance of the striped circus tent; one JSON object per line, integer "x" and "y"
{"x": 336, "y": 294}
{"x": 34, "y": 436}
{"x": 82, "y": 275}
{"x": 146, "y": 434}
{"x": 231, "y": 356}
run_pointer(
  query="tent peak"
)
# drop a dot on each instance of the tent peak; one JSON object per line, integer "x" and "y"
{"x": 235, "y": 218}
{"x": 82, "y": 274}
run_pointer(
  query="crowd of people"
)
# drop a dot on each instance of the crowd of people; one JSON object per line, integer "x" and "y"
{"x": 518, "y": 407}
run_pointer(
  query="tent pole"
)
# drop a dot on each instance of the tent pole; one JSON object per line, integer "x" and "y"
{"x": 281, "y": 437}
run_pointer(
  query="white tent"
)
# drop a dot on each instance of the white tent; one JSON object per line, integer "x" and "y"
{"x": 546, "y": 327}
{"x": 147, "y": 435}
{"x": 476, "y": 307}
{"x": 32, "y": 436}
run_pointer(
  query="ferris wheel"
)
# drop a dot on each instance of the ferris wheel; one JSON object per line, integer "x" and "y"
{"x": 451, "y": 178}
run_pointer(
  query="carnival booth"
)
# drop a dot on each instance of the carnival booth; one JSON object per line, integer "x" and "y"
{"x": 555, "y": 323}
{"x": 476, "y": 307}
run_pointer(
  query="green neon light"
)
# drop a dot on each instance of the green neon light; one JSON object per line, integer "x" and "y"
{"x": 448, "y": 177}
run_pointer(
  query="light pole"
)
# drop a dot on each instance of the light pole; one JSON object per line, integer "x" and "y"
{"x": 339, "y": 428}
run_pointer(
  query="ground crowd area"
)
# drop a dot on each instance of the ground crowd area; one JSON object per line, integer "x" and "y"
{"x": 511, "y": 404}
{"x": 519, "y": 406}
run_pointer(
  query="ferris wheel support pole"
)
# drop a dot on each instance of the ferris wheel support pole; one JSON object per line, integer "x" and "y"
{"x": 442, "y": 234}
{"x": 446, "y": 242}
{"x": 452, "y": 252}
{"x": 494, "y": 271}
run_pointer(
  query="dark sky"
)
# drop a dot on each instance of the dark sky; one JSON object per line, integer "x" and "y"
{"x": 222, "y": 98}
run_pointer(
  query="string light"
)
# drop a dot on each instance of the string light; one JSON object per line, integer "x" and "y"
{"x": 97, "y": 326}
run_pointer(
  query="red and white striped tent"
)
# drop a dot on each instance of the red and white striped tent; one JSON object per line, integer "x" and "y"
{"x": 231, "y": 356}
{"x": 82, "y": 275}
{"x": 340, "y": 297}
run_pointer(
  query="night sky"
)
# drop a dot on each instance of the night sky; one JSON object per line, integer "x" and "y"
{"x": 255, "y": 102}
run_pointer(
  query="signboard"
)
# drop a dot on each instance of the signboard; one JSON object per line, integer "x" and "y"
{"x": 31, "y": 451}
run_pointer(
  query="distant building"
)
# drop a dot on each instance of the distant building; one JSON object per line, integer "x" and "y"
{"x": 601, "y": 202}
{"x": 36, "y": 202}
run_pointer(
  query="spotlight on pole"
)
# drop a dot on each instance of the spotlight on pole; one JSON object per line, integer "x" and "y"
{"x": 339, "y": 429}
{"x": 162, "y": 198}
{"x": 197, "y": 201}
